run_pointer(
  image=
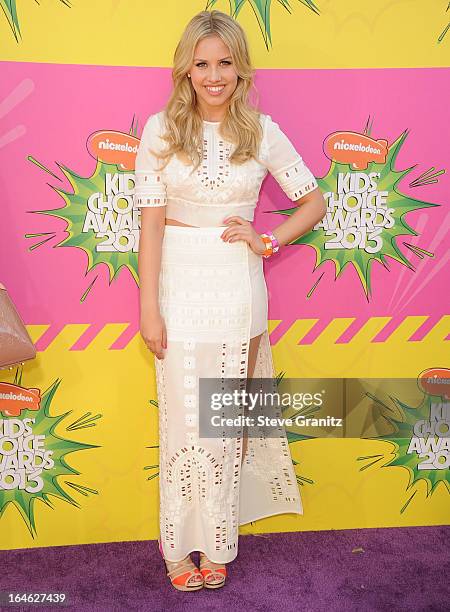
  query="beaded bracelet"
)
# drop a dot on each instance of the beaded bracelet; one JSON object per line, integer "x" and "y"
{"x": 272, "y": 245}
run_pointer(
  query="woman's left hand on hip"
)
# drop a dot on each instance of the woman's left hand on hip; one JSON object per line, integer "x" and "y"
{"x": 242, "y": 229}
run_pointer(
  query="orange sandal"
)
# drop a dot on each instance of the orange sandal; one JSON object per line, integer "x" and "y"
{"x": 214, "y": 574}
{"x": 181, "y": 573}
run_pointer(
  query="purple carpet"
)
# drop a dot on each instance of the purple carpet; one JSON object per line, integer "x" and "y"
{"x": 358, "y": 569}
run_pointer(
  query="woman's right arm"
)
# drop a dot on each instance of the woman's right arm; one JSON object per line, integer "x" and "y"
{"x": 150, "y": 197}
{"x": 152, "y": 326}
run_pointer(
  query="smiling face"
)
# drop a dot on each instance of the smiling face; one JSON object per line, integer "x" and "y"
{"x": 213, "y": 77}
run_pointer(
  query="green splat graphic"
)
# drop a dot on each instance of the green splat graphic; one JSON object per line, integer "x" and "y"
{"x": 261, "y": 10}
{"x": 116, "y": 244}
{"x": 402, "y": 441}
{"x": 45, "y": 479}
{"x": 420, "y": 441}
{"x": 9, "y": 10}
{"x": 401, "y": 204}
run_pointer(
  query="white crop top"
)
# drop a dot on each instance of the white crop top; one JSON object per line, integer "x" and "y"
{"x": 218, "y": 188}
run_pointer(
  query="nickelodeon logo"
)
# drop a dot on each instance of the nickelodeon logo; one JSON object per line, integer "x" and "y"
{"x": 113, "y": 147}
{"x": 14, "y": 399}
{"x": 357, "y": 150}
{"x": 436, "y": 381}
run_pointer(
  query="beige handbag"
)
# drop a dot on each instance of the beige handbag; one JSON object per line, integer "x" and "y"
{"x": 15, "y": 343}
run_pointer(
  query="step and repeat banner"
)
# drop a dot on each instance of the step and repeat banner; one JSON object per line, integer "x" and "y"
{"x": 359, "y": 304}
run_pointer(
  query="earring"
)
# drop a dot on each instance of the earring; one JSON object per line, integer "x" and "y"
{"x": 189, "y": 76}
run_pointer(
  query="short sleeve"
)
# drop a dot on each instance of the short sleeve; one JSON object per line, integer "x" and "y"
{"x": 284, "y": 163}
{"x": 149, "y": 188}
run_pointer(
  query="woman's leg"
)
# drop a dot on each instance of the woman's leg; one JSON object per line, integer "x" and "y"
{"x": 252, "y": 354}
{"x": 214, "y": 573}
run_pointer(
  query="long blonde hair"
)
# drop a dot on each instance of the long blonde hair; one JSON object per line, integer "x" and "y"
{"x": 184, "y": 124}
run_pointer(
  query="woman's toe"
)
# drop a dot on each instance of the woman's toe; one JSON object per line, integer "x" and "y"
{"x": 215, "y": 578}
{"x": 196, "y": 578}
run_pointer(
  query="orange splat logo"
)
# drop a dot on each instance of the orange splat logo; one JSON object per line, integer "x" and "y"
{"x": 14, "y": 399}
{"x": 436, "y": 381}
{"x": 357, "y": 150}
{"x": 113, "y": 147}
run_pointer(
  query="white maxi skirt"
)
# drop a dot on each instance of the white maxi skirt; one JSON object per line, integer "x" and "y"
{"x": 213, "y": 299}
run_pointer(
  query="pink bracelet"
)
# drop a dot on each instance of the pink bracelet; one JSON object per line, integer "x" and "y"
{"x": 272, "y": 244}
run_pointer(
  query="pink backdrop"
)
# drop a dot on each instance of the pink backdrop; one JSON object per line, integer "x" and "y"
{"x": 48, "y": 111}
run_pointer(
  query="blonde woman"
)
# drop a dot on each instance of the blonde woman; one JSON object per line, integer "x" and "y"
{"x": 203, "y": 296}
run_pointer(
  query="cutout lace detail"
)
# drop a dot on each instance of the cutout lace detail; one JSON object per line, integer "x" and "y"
{"x": 213, "y": 172}
{"x": 149, "y": 189}
{"x": 296, "y": 180}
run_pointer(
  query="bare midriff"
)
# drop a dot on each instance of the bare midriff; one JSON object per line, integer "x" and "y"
{"x": 173, "y": 222}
